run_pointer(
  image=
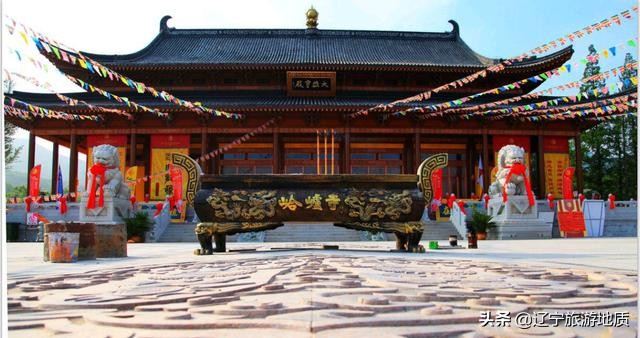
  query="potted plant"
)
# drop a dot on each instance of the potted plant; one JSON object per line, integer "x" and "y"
{"x": 481, "y": 223}
{"x": 137, "y": 225}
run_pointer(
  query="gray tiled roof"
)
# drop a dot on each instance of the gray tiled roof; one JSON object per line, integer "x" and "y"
{"x": 249, "y": 100}
{"x": 301, "y": 46}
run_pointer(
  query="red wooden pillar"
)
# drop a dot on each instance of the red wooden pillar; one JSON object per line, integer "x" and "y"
{"x": 54, "y": 168}
{"x": 31, "y": 159}
{"x": 277, "y": 161}
{"x": 132, "y": 149}
{"x": 541, "y": 177}
{"x": 204, "y": 149}
{"x": 417, "y": 153}
{"x": 486, "y": 176}
{"x": 346, "y": 152}
{"x": 579, "y": 163}
{"x": 73, "y": 163}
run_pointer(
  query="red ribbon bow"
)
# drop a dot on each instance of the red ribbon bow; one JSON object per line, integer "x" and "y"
{"x": 581, "y": 197}
{"x": 461, "y": 206}
{"x": 486, "y": 201}
{"x": 612, "y": 200}
{"x": 159, "y": 206}
{"x": 63, "y": 205}
{"x": 96, "y": 170}
{"x": 28, "y": 202}
{"x": 518, "y": 169}
{"x": 550, "y": 198}
{"x": 133, "y": 201}
{"x": 450, "y": 200}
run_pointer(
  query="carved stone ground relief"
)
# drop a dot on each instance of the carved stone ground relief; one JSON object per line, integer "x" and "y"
{"x": 314, "y": 295}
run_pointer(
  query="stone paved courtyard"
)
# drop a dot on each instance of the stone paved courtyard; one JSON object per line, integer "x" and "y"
{"x": 300, "y": 290}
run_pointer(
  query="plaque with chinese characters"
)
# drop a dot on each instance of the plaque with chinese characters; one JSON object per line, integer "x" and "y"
{"x": 311, "y": 83}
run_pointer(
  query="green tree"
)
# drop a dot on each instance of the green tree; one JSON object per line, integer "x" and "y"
{"x": 20, "y": 191}
{"x": 624, "y": 140}
{"x": 609, "y": 149}
{"x": 10, "y": 152}
{"x": 595, "y": 155}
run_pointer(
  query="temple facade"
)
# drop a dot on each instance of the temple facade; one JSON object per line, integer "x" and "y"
{"x": 311, "y": 81}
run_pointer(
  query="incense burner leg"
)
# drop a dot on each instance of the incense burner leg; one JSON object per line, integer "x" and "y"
{"x": 221, "y": 242}
{"x": 206, "y": 245}
{"x": 414, "y": 241}
{"x": 401, "y": 241}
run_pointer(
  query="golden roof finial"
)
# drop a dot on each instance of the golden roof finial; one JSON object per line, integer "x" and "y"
{"x": 312, "y": 18}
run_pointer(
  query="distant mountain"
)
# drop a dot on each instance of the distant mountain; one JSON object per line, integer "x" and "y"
{"x": 17, "y": 173}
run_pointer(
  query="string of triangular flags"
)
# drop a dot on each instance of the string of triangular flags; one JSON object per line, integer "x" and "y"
{"x": 610, "y": 117}
{"x": 216, "y": 152}
{"x": 563, "y": 87}
{"x": 483, "y": 73}
{"x": 571, "y": 114}
{"x": 121, "y": 99}
{"x": 434, "y": 109}
{"x": 23, "y": 57}
{"x": 59, "y": 51}
{"x": 606, "y": 53}
{"x": 543, "y": 107}
{"x": 598, "y": 26}
{"x": 45, "y": 198}
{"x": 46, "y": 113}
{"x": 512, "y": 111}
{"x": 19, "y": 113}
{"x": 591, "y": 105}
{"x": 66, "y": 99}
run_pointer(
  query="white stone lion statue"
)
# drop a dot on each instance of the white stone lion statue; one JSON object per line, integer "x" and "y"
{"x": 114, "y": 183}
{"x": 507, "y": 157}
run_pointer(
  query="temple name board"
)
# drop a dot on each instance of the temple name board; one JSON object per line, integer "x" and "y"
{"x": 311, "y": 83}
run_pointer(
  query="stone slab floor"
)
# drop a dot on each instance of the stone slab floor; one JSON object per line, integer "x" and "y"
{"x": 558, "y": 288}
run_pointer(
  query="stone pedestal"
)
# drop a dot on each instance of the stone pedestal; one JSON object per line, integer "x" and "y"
{"x": 113, "y": 210}
{"x": 111, "y": 240}
{"x": 516, "y": 219}
{"x": 87, "y": 244}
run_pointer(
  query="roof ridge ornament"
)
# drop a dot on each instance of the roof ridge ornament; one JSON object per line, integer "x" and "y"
{"x": 312, "y": 18}
{"x": 163, "y": 23}
{"x": 456, "y": 28}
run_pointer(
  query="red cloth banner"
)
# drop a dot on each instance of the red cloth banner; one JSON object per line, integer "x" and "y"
{"x": 570, "y": 218}
{"x": 176, "y": 181}
{"x": 98, "y": 170}
{"x": 34, "y": 181}
{"x": 436, "y": 184}
{"x": 518, "y": 169}
{"x": 567, "y": 183}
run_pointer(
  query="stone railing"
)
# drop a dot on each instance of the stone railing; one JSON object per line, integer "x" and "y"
{"x": 160, "y": 222}
{"x": 621, "y": 221}
{"x": 16, "y": 213}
